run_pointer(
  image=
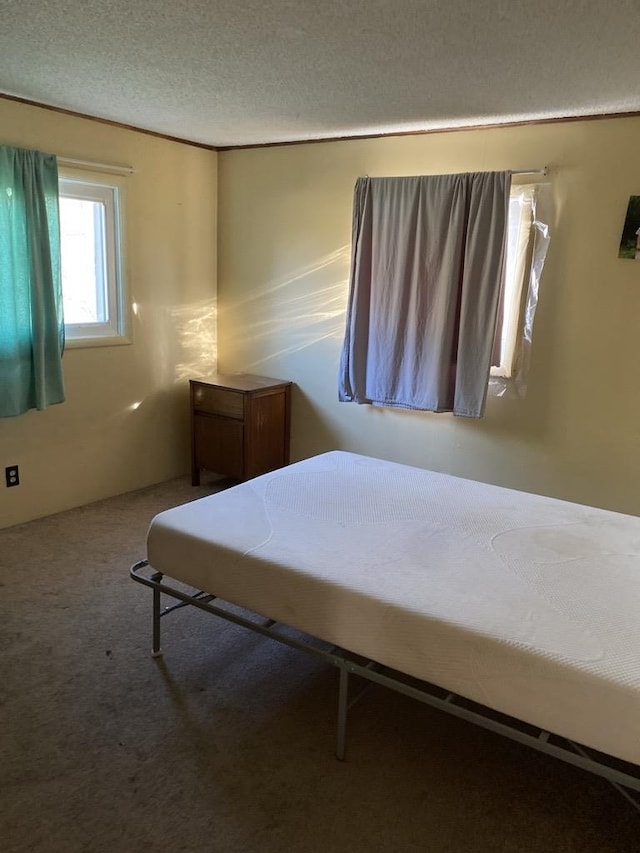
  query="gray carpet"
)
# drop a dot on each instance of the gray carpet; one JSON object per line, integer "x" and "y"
{"x": 226, "y": 744}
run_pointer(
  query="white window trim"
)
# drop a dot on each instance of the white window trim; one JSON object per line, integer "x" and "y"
{"x": 116, "y": 331}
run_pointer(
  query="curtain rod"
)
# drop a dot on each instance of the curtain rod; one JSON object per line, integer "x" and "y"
{"x": 115, "y": 168}
{"x": 543, "y": 171}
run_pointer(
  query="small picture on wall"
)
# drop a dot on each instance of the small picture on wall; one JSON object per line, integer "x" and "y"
{"x": 630, "y": 240}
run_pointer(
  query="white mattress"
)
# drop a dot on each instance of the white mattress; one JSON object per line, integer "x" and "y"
{"x": 526, "y": 604}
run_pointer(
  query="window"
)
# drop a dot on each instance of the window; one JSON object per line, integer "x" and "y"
{"x": 92, "y": 285}
{"x": 518, "y": 268}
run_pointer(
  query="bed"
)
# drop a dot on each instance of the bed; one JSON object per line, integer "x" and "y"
{"x": 515, "y": 611}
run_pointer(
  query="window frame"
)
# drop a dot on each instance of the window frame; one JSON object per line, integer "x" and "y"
{"x": 115, "y": 330}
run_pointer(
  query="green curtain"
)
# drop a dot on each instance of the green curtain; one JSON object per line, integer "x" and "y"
{"x": 31, "y": 319}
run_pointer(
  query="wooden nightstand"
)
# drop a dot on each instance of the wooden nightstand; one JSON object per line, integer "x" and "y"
{"x": 239, "y": 425}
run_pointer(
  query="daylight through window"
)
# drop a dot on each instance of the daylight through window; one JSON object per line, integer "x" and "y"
{"x": 521, "y": 207}
{"x": 93, "y": 298}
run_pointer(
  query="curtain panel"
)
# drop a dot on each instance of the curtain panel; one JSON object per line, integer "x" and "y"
{"x": 31, "y": 319}
{"x": 427, "y": 270}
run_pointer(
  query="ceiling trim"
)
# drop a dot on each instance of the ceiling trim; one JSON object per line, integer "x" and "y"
{"x": 456, "y": 129}
{"x": 110, "y": 122}
{"x": 324, "y": 139}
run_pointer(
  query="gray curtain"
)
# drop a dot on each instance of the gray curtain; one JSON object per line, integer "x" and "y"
{"x": 427, "y": 267}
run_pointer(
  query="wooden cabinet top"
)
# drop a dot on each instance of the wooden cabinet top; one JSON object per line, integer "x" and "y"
{"x": 245, "y": 382}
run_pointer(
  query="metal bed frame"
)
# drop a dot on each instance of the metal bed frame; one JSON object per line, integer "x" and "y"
{"x": 623, "y": 775}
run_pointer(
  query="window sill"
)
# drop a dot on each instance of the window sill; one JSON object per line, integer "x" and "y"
{"x": 106, "y": 341}
{"x": 500, "y": 373}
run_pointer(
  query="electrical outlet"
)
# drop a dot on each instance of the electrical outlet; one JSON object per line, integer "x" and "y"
{"x": 12, "y": 475}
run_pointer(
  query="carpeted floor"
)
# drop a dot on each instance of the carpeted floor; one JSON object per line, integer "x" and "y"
{"x": 226, "y": 744}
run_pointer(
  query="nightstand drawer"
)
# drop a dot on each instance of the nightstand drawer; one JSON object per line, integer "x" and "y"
{"x": 218, "y": 401}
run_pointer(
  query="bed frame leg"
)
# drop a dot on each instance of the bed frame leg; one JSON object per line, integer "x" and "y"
{"x": 156, "y": 651}
{"x": 343, "y": 695}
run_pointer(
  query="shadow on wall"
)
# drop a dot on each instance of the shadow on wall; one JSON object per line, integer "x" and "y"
{"x": 291, "y": 314}
{"x": 312, "y": 431}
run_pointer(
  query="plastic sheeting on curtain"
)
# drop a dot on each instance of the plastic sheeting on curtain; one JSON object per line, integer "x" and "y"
{"x": 427, "y": 268}
{"x": 31, "y": 319}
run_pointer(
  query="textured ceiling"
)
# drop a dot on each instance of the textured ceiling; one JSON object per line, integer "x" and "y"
{"x": 242, "y": 72}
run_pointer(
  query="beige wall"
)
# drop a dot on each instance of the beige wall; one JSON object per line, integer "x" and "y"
{"x": 283, "y": 242}
{"x": 125, "y": 421}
